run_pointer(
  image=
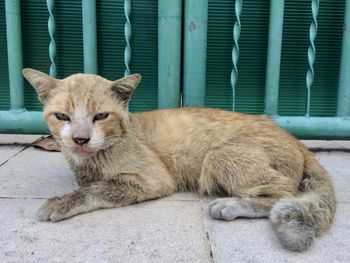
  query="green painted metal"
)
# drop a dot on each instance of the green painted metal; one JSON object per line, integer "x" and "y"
{"x": 169, "y": 52}
{"x": 274, "y": 56}
{"x": 311, "y": 54}
{"x": 215, "y": 70}
{"x": 26, "y": 122}
{"x": 316, "y": 127}
{"x": 127, "y": 32}
{"x": 69, "y": 40}
{"x": 249, "y": 90}
{"x": 302, "y": 127}
{"x": 144, "y": 46}
{"x": 294, "y": 64}
{"x": 14, "y": 51}
{"x": 235, "y": 50}
{"x": 343, "y": 106}
{"x": 52, "y": 30}
{"x": 89, "y": 36}
{"x": 195, "y": 52}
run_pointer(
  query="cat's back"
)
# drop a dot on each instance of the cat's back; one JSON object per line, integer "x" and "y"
{"x": 205, "y": 126}
{"x": 194, "y": 116}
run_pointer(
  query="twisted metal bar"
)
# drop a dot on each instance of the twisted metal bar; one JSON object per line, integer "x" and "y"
{"x": 52, "y": 29}
{"x": 127, "y": 33}
{"x": 235, "y": 49}
{"x": 311, "y": 54}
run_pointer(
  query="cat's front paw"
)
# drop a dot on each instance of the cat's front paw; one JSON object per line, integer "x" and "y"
{"x": 58, "y": 208}
{"x": 47, "y": 208}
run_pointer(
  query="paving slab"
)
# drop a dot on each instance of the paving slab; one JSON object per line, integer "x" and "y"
{"x": 253, "y": 240}
{"x": 35, "y": 173}
{"x": 338, "y": 166}
{"x": 166, "y": 230}
{"x": 18, "y": 138}
{"x": 40, "y": 174}
{"x": 322, "y": 144}
{"x": 343, "y": 144}
{"x": 10, "y": 145}
{"x": 154, "y": 231}
{"x": 8, "y": 152}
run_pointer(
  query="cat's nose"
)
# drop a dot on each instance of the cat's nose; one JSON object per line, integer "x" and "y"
{"x": 81, "y": 141}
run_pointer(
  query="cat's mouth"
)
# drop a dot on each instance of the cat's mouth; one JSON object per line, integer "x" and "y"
{"x": 83, "y": 151}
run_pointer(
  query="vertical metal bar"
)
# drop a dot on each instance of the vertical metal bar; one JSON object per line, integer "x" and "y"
{"x": 169, "y": 52}
{"x": 89, "y": 36}
{"x": 343, "y": 106}
{"x": 14, "y": 50}
{"x": 195, "y": 52}
{"x": 52, "y": 29}
{"x": 274, "y": 56}
{"x": 127, "y": 32}
{"x": 235, "y": 50}
{"x": 311, "y": 54}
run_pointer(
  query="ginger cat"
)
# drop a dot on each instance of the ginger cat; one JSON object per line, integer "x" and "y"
{"x": 120, "y": 158}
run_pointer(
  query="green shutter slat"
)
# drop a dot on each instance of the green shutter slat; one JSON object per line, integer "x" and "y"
{"x": 4, "y": 81}
{"x": 250, "y": 88}
{"x": 69, "y": 45}
{"x": 144, "y": 47}
{"x": 294, "y": 58}
{"x": 251, "y": 66}
{"x": 252, "y": 63}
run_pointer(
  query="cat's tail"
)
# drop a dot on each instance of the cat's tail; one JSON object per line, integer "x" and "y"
{"x": 298, "y": 221}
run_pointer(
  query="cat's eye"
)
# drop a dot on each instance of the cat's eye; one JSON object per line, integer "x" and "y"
{"x": 62, "y": 116}
{"x": 101, "y": 116}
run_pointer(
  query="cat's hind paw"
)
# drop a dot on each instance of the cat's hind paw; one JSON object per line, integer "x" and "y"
{"x": 225, "y": 208}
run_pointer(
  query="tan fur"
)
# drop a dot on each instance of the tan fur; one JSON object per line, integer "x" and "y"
{"x": 130, "y": 158}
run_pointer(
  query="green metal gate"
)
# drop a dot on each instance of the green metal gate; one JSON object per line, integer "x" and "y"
{"x": 289, "y": 59}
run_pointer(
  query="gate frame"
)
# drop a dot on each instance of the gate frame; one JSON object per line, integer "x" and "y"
{"x": 20, "y": 121}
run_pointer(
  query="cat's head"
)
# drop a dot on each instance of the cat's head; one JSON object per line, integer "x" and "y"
{"x": 84, "y": 112}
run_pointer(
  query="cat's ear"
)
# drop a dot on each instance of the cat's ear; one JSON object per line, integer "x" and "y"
{"x": 124, "y": 88}
{"x": 42, "y": 83}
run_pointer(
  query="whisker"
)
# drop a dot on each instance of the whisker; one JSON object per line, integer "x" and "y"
{"x": 112, "y": 136}
{"x": 46, "y": 131}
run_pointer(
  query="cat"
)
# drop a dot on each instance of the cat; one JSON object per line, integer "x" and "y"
{"x": 255, "y": 168}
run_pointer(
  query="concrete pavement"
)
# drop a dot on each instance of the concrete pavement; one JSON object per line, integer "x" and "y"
{"x": 173, "y": 229}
